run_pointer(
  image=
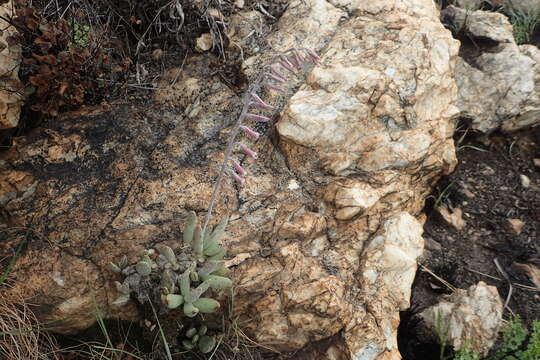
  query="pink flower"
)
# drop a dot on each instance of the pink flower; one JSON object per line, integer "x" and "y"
{"x": 257, "y": 117}
{"x": 276, "y": 71}
{"x": 276, "y": 78}
{"x": 273, "y": 87}
{"x": 249, "y": 132}
{"x": 238, "y": 168}
{"x": 252, "y": 154}
{"x": 313, "y": 55}
{"x": 286, "y": 64}
{"x": 260, "y": 103}
{"x": 240, "y": 180}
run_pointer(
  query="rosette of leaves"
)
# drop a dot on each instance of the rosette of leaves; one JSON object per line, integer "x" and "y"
{"x": 179, "y": 279}
{"x": 198, "y": 338}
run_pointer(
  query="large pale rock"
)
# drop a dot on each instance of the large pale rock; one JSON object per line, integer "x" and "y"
{"x": 498, "y": 85}
{"x": 469, "y": 4}
{"x": 480, "y": 24}
{"x": 11, "y": 98}
{"x": 524, "y": 6}
{"x": 324, "y": 235}
{"x": 470, "y": 318}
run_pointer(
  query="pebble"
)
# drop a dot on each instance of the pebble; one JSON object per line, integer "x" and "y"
{"x": 525, "y": 181}
{"x": 515, "y": 225}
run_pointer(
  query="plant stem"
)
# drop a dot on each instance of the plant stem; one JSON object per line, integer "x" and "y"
{"x": 230, "y": 146}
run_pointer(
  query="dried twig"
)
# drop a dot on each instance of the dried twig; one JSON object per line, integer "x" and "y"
{"x": 444, "y": 282}
{"x": 525, "y": 287}
{"x": 510, "y": 289}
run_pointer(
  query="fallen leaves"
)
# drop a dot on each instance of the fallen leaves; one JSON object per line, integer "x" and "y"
{"x": 57, "y": 71}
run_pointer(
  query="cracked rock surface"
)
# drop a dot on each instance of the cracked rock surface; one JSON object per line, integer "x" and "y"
{"x": 471, "y": 318}
{"x": 498, "y": 81}
{"x": 324, "y": 235}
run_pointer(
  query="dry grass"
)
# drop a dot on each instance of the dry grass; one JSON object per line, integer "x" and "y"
{"x": 21, "y": 335}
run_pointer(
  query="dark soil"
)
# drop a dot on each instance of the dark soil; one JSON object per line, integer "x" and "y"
{"x": 487, "y": 187}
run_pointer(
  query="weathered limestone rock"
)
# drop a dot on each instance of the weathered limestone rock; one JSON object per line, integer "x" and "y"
{"x": 469, "y": 4}
{"x": 498, "y": 85}
{"x": 11, "y": 98}
{"x": 480, "y": 24}
{"x": 524, "y": 6}
{"x": 324, "y": 235}
{"x": 471, "y": 318}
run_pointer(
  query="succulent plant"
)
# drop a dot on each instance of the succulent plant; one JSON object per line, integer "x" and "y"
{"x": 198, "y": 338}
{"x": 179, "y": 280}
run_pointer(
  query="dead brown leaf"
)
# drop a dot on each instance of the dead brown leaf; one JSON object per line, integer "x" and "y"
{"x": 453, "y": 216}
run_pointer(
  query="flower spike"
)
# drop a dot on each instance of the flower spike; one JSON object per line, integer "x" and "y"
{"x": 249, "y": 132}
{"x": 270, "y": 76}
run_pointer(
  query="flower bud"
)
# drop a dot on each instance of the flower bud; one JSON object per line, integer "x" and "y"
{"x": 257, "y": 117}
{"x": 252, "y": 154}
{"x": 249, "y": 132}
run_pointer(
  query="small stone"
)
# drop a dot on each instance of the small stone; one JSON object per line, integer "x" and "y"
{"x": 515, "y": 225}
{"x": 488, "y": 171}
{"x": 432, "y": 244}
{"x": 536, "y": 162}
{"x": 464, "y": 189}
{"x": 525, "y": 181}
{"x": 157, "y": 54}
{"x": 239, "y": 4}
{"x": 204, "y": 42}
{"x": 215, "y": 13}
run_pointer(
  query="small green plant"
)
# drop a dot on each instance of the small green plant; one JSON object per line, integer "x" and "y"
{"x": 524, "y": 24}
{"x": 81, "y": 34}
{"x": 466, "y": 354}
{"x": 197, "y": 338}
{"x": 179, "y": 279}
{"x": 515, "y": 345}
{"x": 442, "y": 195}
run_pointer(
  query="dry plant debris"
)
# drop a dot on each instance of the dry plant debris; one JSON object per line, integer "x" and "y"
{"x": 22, "y": 337}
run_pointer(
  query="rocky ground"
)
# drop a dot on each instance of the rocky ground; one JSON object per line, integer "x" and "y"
{"x": 487, "y": 187}
{"x": 406, "y": 127}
